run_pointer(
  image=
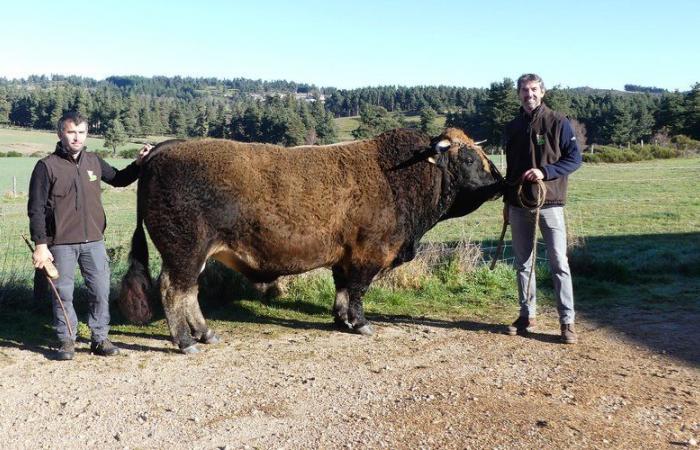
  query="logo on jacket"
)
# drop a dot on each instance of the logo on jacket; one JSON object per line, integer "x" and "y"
{"x": 91, "y": 175}
{"x": 540, "y": 139}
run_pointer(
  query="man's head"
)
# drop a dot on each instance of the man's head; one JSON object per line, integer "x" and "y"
{"x": 530, "y": 91}
{"x": 72, "y": 131}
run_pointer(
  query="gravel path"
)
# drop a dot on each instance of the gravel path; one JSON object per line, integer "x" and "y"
{"x": 427, "y": 384}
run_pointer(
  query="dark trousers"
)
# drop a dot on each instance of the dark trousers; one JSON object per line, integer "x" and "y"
{"x": 91, "y": 258}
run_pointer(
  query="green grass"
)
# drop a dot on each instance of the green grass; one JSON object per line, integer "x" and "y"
{"x": 345, "y": 127}
{"x": 636, "y": 229}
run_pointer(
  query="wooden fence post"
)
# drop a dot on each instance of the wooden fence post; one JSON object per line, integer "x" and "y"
{"x": 14, "y": 186}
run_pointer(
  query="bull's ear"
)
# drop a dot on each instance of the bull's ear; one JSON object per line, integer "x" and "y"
{"x": 440, "y": 147}
{"x": 443, "y": 146}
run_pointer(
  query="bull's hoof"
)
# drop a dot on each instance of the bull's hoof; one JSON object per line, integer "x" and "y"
{"x": 365, "y": 330}
{"x": 342, "y": 324}
{"x": 209, "y": 338}
{"x": 191, "y": 350}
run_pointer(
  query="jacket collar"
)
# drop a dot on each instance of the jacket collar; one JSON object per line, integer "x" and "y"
{"x": 535, "y": 114}
{"x": 61, "y": 152}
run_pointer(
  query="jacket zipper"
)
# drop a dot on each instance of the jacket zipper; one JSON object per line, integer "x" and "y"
{"x": 80, "y": 192}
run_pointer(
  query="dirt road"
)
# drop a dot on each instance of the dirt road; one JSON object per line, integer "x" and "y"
{"x": 423, "y": 384}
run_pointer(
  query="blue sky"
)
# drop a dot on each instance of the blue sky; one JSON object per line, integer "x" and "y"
{"x": 601, "y": 44}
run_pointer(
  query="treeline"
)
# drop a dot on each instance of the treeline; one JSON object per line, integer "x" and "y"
{"x": 291, "y": 113}
{"x": 123, "y": 107}
{"x": 602, "y": 117}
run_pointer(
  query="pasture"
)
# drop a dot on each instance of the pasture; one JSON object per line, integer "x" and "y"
{"x": 29, "y": 142}
{"x": 438, "y": 373}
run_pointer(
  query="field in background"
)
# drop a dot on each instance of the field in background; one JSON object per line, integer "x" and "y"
{"x": 28, "y": 142}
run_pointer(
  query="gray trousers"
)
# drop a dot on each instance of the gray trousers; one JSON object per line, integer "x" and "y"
{"x": 553, "y": 229}
{"x": 92, "y": 259}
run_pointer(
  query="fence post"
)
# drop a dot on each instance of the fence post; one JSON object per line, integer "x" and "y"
{"x": 14, "y": 186}
{"x": 503, "y": 161}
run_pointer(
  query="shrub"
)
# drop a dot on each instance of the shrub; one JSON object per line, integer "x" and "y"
{"x": 3, "y": 154}
{"x": 103, "y": 153}
{"x": 685, "y": 143}
{"x": 13, "y": 154}
{"x": 129, "y": 153}
{"x": 608, "y": 154}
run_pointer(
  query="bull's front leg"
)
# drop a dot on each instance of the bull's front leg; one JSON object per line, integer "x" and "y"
{"x": 195, "y": 319}
{"x": 342, "y": 299}
{"x": 359, "y": 280}
{"x": 356, "y": 314}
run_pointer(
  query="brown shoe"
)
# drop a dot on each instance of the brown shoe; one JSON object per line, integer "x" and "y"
{"x": 522, "y": 326}
{"x": 568, "y": 334}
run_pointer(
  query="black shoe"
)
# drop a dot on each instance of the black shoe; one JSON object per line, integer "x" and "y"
{"x": 522, "y": 326}
{"x": 66, "y": 351}
{"x": 104, "y": 348}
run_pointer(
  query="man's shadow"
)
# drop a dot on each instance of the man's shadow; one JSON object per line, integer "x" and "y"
{"x": 26, "y": 320}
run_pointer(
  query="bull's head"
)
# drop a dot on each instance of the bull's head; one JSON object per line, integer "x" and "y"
{"x": 476, "y": 177}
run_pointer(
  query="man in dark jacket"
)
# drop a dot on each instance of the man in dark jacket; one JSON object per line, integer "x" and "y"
{"x": 67, "y": 222}
{"x": 540, "y": 145}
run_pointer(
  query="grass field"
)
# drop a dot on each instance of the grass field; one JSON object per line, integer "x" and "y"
{"x": 635, "y": 229}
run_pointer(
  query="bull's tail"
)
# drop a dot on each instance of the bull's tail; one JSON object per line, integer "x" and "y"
{"x": 136, "y": 291}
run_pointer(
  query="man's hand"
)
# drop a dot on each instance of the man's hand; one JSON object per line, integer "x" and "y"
{"x": 145, "y": 150}
{"x": 533, "y": 175}
{"x": 41, "y": 256}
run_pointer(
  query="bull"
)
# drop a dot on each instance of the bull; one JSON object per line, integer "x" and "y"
{"x": 359, "y": 208}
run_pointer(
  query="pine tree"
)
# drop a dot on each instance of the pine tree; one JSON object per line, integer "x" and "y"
{"x": 500, "y": 107}
{"x": 427, "y": 117}
{"x": 115, "y": 136}
{"x": 692, "y": 117}
{"x": 373, "y": 121}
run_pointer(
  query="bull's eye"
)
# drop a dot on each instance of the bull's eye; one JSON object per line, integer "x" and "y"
{"x": 470, "y": 160}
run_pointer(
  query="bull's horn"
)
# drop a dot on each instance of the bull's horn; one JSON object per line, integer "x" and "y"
{"x": 443, "y": 146}
{"x": 480, "y": 142}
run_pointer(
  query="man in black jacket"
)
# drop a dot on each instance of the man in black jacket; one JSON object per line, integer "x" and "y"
{"x": 67, "y": 222}
{"x": 540, "y": 145}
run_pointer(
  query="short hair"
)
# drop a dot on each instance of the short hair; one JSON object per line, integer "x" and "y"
{"x": 529, "y": 77}
{"x": 71, "y": 116}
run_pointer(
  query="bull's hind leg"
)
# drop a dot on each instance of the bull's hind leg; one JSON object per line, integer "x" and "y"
{"x": 197, "y": 323}
{"x": 176, "y": 304}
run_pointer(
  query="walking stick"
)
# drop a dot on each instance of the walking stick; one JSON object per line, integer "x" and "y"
{"x": 499, "y": 249}
{"x": 52, "y": 274}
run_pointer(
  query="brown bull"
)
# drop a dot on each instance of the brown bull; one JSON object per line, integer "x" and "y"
{"x": 359, "y": 208}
